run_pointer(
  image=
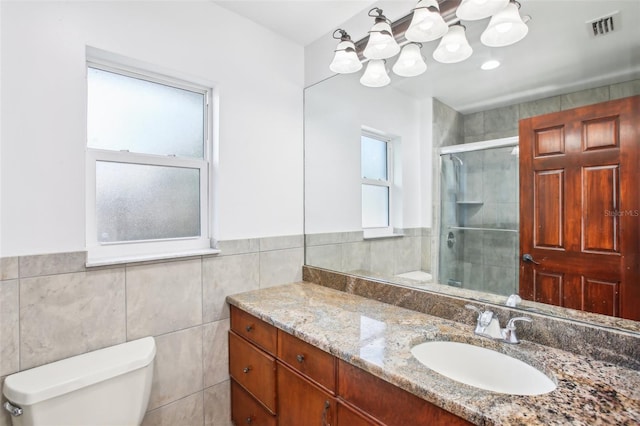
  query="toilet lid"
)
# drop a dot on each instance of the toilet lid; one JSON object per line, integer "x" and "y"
{"x": 48, "y": 381}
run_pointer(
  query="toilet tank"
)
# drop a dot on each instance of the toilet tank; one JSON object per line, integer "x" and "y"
{"x": 110, "y": 386}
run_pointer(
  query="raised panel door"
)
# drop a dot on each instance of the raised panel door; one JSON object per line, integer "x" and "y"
{"x": 580, "y": 208}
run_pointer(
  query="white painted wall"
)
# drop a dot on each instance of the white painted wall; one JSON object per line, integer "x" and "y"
{"x": 258, "y": 74}
{"x": 335, "y": 111}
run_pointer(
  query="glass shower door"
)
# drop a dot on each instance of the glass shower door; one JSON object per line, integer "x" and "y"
{"x": 479, "y": 219}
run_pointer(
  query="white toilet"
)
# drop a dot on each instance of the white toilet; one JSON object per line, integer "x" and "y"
{"x": 109, "y": 386}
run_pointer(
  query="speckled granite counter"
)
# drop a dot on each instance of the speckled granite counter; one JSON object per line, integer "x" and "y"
{"x": 377, "y": 337}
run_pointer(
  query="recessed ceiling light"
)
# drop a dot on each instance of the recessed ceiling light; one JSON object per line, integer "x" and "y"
{"x": 490, "y": 65}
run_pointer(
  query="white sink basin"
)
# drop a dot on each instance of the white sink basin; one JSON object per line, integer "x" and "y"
{"x": 483, "y": 368}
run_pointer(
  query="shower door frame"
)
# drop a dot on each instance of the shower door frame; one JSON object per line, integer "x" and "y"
{"x": 437, "y": 187}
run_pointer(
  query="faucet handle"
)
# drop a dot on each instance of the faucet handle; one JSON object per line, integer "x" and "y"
{"x": 511, "y": 324}
{"x": 509, "y": 332}
{"x": 513, "y": 300}
{"x": 484, "y": 317}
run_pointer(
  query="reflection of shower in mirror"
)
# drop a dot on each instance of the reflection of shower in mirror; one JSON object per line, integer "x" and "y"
{"x": 457, "y": 167}
{"x": 479, "y": 216}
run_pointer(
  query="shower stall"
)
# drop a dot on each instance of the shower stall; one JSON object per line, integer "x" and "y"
{"x": 479, "y": 216}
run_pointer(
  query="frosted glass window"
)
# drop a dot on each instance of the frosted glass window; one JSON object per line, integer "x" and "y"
{"x": 144, "y": 202}
{"x": 375, "y": 206}
{"x": 374, "y": 158}
{"x": 135, "y": 115}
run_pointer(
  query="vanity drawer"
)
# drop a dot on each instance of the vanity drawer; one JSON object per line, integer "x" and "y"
{"x": 254, "y": 369}
{"x": 312, "y": 362}
{"x": 254, "y": 329}
{"x": 247, "y": 411}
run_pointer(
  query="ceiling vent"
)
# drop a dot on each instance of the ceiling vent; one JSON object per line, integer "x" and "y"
{"x": 602, "y": 26}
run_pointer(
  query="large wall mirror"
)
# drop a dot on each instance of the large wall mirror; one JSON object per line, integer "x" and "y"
{"x": 417, "y": 183}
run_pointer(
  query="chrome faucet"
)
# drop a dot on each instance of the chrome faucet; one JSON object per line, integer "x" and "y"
{"x": 488, "y": 325}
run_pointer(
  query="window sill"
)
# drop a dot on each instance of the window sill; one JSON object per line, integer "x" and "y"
{"x": 381, "y": 237}
{"x": 92, "y": 263}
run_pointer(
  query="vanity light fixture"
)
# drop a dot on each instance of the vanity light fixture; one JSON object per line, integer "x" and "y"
{"x": 426, "y": 24}
{"x": 505, "y": 28}
{"x": 375, "y": 75}
{"x": 453, "y": 47}
{"x": 410, "y": 63}
{"x": 382, "y": 44}
{"x": 345, "y": 60}
{"x": 473, "y": 10}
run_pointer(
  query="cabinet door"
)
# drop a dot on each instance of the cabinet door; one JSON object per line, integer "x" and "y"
{"x": 247, "y": 411}
{"x": 253, "y": 369}
{"x": 302, "y": 403}
{"x": 388, "y": 403}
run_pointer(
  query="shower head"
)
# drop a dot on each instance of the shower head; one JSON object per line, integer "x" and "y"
{"x": 455, "y": 158}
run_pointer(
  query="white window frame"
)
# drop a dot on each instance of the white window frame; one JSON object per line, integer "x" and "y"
{"x": 387, "y": 231}
{"x": 104, "y": 253}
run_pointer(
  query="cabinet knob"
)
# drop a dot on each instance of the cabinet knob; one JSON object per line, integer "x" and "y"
{"x": 246, "y": 369}
{"x": 249, "y": 328}
{"x": 249, "y": 420}
{"x": 300, "y": 358}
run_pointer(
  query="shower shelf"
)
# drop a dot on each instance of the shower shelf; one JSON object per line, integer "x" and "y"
{"x": 470, "y": 228}
{"x": 470, "y": 203}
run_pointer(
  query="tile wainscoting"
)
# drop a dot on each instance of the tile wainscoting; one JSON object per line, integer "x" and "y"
{"x": 52, "y": 307}
{"x": 385, "y": 257}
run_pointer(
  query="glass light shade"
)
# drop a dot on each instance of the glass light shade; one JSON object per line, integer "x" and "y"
{"x": 375, "y": 75}
{"x": 426, "y": 24}
{"x": 453, "y": 47}
{"x": 473, "y": 10}
{"x": 491, "y": 64}
{"x": 381, "y": 44}
{"x": 346, "y": 60}
{"x": 505, "y": 28}
{"x": 410, "y": 62}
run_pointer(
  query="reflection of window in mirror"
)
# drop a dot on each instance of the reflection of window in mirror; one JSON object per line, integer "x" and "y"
{"x": 377, "y": 185}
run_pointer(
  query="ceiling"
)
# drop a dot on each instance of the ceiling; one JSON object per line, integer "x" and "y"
{"x": 301, "y": 21}
{"x": 558, "y": 55}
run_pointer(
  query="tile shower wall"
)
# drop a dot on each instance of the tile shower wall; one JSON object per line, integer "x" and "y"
{"x": 487, "y": 259}
{"x": 503, "y": 122}
{"x": 382, "y": 257}
{"x": 52, "y": 307}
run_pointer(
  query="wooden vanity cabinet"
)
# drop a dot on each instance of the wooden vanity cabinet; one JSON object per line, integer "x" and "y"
{"x": 306, "y": 383}
{"x": 278, "y": 379}
{"x": 388, "y": 403}
{"x": 252, "y": 367}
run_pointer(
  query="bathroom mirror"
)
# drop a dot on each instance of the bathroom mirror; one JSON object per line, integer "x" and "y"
{"x": 453, "y": 131}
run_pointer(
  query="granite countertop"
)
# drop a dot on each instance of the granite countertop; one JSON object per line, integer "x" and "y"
{"x": 378, "y": 337}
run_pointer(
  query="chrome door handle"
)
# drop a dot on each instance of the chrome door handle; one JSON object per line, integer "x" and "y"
{"x": 528, "y": 258}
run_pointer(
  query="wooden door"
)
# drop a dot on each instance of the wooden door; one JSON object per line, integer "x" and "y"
{"x": 580, "y": 208}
